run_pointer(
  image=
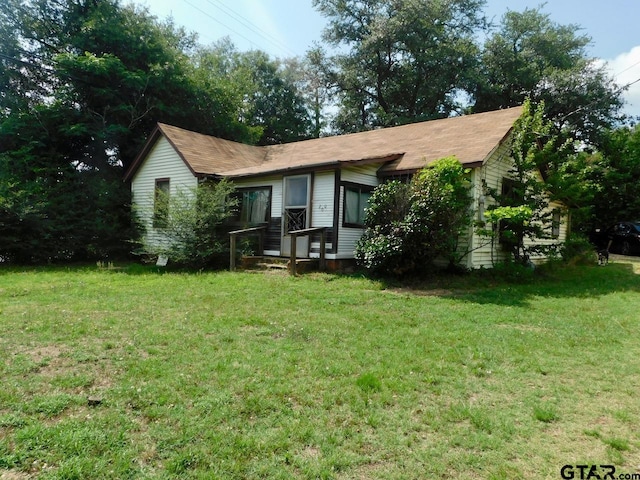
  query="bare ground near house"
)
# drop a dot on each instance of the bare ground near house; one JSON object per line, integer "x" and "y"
{"x": 633, "y": 261}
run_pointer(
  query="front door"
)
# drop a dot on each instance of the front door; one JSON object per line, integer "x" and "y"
{"x": 297, "y": 197}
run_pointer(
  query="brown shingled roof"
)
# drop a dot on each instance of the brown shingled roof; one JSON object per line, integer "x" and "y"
{"x": 471, "y": 138}
{"x": 211, "y": 155}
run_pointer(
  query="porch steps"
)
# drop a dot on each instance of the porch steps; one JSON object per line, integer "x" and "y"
{"x": 278, "y": 263}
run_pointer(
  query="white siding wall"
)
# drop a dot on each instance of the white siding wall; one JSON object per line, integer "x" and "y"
{"x": 348, "y": 236}
{"x": 162, "y": 162}
{"x": 483, "y": 252}
{"x": 563, "y": 231}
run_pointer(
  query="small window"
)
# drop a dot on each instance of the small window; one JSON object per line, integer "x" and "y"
{"x": 356, "y": 199}
{"x": 254, "y": 205}
{"x": 511, "y": 192}
{"x": 161, "y": 203}
{"x": 555, "y": 224}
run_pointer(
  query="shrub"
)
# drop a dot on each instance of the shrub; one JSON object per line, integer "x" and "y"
{"x": 408, "y": 226}
{"x": 194, "y": 233}
{"x": 577, "y": 250}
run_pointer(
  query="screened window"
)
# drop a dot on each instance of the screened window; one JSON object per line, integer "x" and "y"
{"x": 356, "y": 199}
{"x": 161, "y": 203}
{"x": 254, "y": 205}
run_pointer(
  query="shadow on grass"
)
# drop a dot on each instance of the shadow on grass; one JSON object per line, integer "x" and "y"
{"x": 491, "y": 286}
{"x": 558, "y": 281}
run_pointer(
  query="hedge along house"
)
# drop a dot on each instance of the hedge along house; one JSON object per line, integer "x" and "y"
{"x": 325, "y": 182}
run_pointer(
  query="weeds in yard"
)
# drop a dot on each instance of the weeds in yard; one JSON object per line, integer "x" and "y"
{"x": 219, "y": 375}
{"x": 545, "y": 413}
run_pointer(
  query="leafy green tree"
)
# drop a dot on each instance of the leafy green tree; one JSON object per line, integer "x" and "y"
{"x": 265, "y": 93}
{"x": 399, "y": 60}
{"x": 273, "y": 101}
{"x": 408, "y": 226}
{"x": 613, "y": 173}
{"x": 85, "y": 83}
{"x": 522, "y": 213}
{"x": 530, "y": 56}
{"x": 53, "y": 210}
{"x": 308, "y": 76}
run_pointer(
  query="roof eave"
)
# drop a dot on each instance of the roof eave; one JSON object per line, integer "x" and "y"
{"x": 411, "y": 171}
{"x": 150, "y": 143}
{"x": 133, "y": 168}
{"x": 332, "y": 164}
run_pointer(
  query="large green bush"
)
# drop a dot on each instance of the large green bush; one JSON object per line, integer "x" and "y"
{"x": 408, "y": 226}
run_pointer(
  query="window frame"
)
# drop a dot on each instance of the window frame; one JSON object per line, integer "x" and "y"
{"x": 556, "y": 220}
{"x": 239, "y": 194}
{"x": 161, "y": 212}
{"x": 360, "y": 188}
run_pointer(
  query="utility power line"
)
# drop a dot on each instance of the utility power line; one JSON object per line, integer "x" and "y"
{"x": 251, "y": 26}
{"x": 244, "y": 22}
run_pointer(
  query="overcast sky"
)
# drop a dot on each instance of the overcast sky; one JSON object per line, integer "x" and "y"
{"x": 285, "y": 28}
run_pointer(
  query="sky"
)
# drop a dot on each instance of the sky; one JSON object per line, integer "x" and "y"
{"x": 285, "y": 28}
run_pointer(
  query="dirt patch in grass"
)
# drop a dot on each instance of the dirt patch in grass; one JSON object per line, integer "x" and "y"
{"x": 12, "y": 475}
{"x": 42, "y": 355}
{"x": 424, "y": 292}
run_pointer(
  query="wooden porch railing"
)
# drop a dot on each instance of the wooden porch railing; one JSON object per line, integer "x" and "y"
{"x": 301, "y": 233}
{"x": 246, "y": 231}
{"x": 294, "y": 238}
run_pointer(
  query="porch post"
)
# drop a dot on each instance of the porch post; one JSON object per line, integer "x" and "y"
{"x": 323, "y": 262}
{"x": 261, "y": 242}
{"x": 293, "y": 260}
{"x": 232, "y": 253}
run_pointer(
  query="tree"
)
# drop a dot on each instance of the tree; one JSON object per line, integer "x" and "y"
{"x": 530, "y": 56}
{"x": 86, "y": 81}
{"x": 267, "y": 98}
{"x": 614, "y": 174}
{"x": 408, "y": 226}
{"x": 307, "y": 74}
{"x": 403, "y": 60}
{"x": 522, "y": 211}
{"x": 273, "y": 102}
{"x": 54, "y": 210}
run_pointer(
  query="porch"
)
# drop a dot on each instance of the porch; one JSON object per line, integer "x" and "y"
{"x": 293, "y": 262}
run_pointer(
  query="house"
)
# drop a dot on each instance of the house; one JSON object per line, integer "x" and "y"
{"x": 326, "y": 182}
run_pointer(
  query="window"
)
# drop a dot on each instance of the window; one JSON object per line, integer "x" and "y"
{"x": 356, "y": 199}
{"x": 254, "y": 205}
{"x": 555, "y": 224}
{"x": 161, "y": 203}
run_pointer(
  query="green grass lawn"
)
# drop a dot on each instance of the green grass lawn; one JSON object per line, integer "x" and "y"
{"x": 262, "y": 375}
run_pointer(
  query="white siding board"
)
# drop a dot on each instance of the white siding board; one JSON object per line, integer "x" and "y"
{"x": 161, "y": 162}
{"x": 365, "y": 174}
{"x": 322, "y": 201}
{"x": 484, "y": 252}
{"x": 322, "y": 205}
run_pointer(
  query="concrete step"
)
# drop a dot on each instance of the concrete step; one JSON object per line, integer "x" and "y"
{"x": 278, "y": 263}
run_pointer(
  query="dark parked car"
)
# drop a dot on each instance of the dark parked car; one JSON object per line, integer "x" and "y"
{"x": 621, "y": 237}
